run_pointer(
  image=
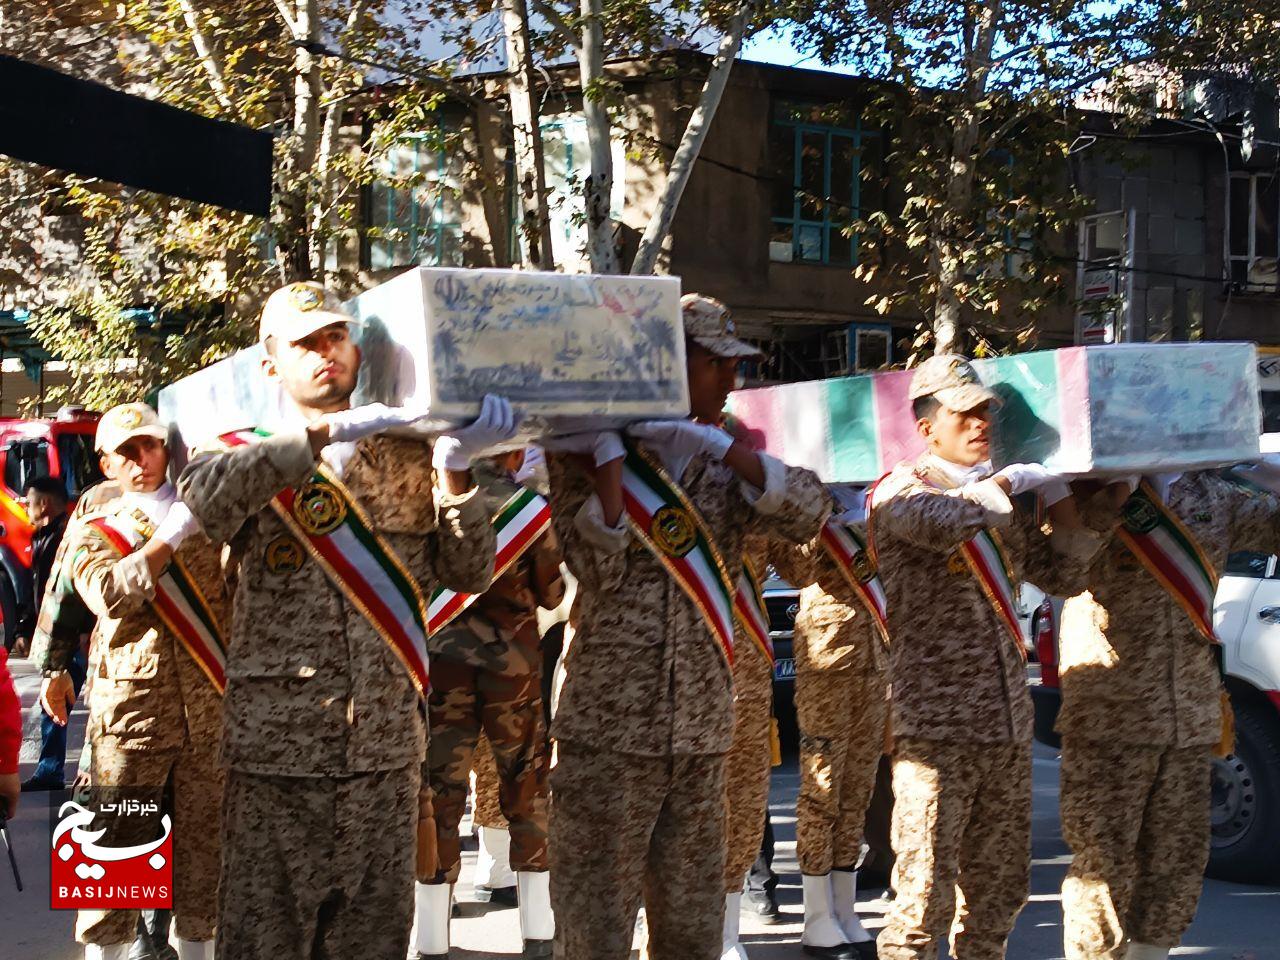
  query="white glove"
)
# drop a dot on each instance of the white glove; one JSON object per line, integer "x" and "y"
{"x": 534, "y": 458}
{"x": 497, "y": 422}
{"x": 1027, "y": 476}
{"x": 683, "y": 438}
{"x": 178, "y": 524}
{"x": 603, "y": 446}
{"x": 346, "y": 426}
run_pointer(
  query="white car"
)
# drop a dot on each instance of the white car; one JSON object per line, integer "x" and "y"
{"x": 1246, "y": 784}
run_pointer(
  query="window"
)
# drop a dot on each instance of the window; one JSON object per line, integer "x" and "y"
{"x": 820, "y": 154}
{"x": 1252, "y": 235}
{"x": 872, "y": 346}
{"x": 24, "y": 461}
{"x": 416, "y": 211}
{"x": 79, "y": 462}
{"x": 566, "y": 164}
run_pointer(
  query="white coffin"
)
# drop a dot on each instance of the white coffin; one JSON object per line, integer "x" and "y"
{"x": 568, "y": 350}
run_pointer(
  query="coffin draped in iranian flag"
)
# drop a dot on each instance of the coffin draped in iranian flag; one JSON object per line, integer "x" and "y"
{"x": 1126, "y": 408}
{"x": 569, "y": 351}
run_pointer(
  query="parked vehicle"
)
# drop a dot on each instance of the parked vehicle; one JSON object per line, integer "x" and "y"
{"x": 1246, "y": 783}
{"x": 61, "y": 447}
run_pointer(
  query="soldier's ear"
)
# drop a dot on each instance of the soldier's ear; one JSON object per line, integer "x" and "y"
{"x": 269, "y": 367}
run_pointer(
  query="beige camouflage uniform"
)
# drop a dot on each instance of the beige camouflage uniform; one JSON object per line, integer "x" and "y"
{"x": 750, "y": 757}
{"x": 153, "y": 714}
{"x": 842, "y": 683}
{"x": 1140, "y": 714}
{"x": 961, "y": 714}
{"x": 324, "y": 733}
{"x": 486, "y": 670}
{"x": 645, "y": 717}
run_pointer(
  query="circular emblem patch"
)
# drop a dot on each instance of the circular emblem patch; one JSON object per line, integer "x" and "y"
{"x": 673, "y": 531}
{"x": 864, "y": 569}
{"x": 284, "y": 555}
{"x": 318, "y": 509}
{"x": 1139, "y": 515}
{"x": 130, "y": 418}
{"x": 956, "y": 563}
{"x": 304, "y": 298}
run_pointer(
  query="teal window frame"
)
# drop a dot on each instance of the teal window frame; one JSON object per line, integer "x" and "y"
{"x": 797, "y": 223}
{"x": 426, "y": 240}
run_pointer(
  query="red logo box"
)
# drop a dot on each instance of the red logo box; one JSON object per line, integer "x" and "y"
{"x": 87, "y": 873}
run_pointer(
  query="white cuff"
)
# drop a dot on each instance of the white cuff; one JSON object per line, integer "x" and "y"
{"x": 133, "y": 576}
{"x": 1054, "y": 491}
{"x": 1075, "y": 543}
{"x": 767, "y": 502}
{"x": 447, "y": 454}
{"x": 988, "y": 495}
{"x": 590, "y": 522}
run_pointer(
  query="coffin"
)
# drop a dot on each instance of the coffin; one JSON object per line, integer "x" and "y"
{"x": 570, "y": 351}
{"x": 1126, "y": 408}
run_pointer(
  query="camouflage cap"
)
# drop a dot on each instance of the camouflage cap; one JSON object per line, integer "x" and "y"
{"x": 951, "y": 379}
{"x": 298, "y": 310}
{"x": 707, "y": 323}
{"x": 126, "y": 421}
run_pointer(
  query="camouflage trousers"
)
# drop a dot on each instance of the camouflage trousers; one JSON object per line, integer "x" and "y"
{"x": 747, "y": 765}
{"x": 962, "y": 835}
{"x": 842, "y": 716}
{"x": 318, "y": 868}
{"x": 486, "y": 808}
{"x": 197, "y": 799}
{"x": 466, "y": 700}
{"x": 625, "y": 830}
{"x": 1137, "y": 820}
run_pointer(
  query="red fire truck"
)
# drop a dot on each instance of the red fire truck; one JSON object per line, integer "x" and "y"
{"x": 61, "y": 447}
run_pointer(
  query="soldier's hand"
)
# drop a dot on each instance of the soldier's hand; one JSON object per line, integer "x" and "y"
{"x": 683, "y": 439}
{"x": 602, "y": 445}
{"x": 345, "y": 426}
{"x": 496, "y": 424}
{"x": 178, "y": 524}
{"x": 57, "y": 693}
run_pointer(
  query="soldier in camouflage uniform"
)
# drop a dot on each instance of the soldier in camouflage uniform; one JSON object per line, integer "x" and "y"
{"x": 746, "y": 776}
{"x": 961, "y": 714}
{"x": 1140, "y": 716}
{"x": 645, "y": 714}
{"x": 486, "y": 671}
{"x": 842, "y": 679}
{"x": 153, "y": 711}
{"x": 325, "y": 737}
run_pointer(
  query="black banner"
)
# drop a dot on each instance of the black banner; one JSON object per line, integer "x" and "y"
{"x": 50, "y": 118}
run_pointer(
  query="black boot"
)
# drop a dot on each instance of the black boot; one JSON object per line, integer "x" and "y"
{"x": 845, "y": 951}
{"x": 762, "y": 905}
{"x": 537, "y": 949}
{"x": 867, "y": 950}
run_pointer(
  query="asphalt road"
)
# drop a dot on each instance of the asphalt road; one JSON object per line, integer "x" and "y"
{"x": 1233, "y": 923}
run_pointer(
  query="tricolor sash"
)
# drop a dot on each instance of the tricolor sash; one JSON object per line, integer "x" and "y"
{"x": 517, "y": 525}
{"x": 855, "y": 562}
{"x": 1171, "y": 554}
{"x": 749, "y": 609}
{"x": 178, "y": 602}
{"x": 325, "y": 518}
{"x": 670, "y": 526}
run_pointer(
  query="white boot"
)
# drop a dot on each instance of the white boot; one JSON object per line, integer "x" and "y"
{"x": 537, "y": 923}
{"x": 821, "y": 929}
{"x": 114, "y": 951}
{"x": 195, "y": 949}
{"x": 493, "y": 861}
{"x": 432, "y": 904}
{"x": 844, "y": 898}
{"x": 1145, "y": 951}
{"x": 732, "y": 948}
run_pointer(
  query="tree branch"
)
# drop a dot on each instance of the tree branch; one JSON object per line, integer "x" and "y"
{"x": 558, "y": 23}
{"x": 209, "y": 59}
{"x": 287, "y": 16}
